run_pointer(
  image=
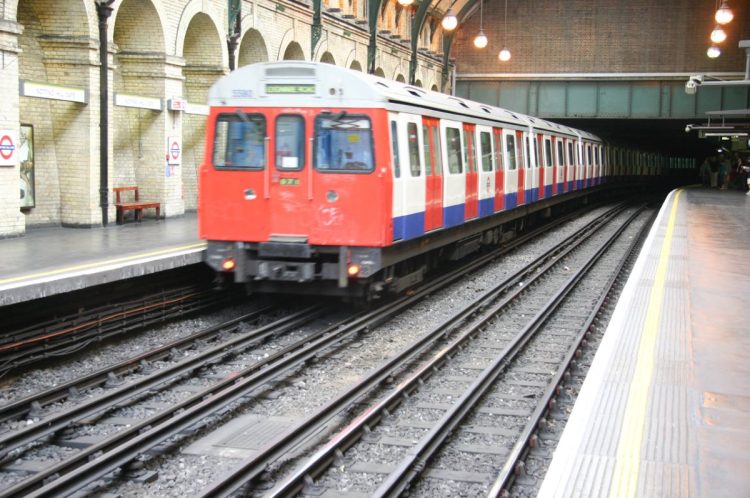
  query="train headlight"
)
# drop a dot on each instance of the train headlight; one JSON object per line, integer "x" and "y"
{"x": 353, "y": 269}
{"x": 228, "y": 264}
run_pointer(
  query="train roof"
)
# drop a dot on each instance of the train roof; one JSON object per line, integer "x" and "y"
{"x": 300, "y": 83}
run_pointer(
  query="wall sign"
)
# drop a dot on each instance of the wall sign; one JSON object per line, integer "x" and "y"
{"x": 26, "y": 157}
{"x": 196, "y": 109}
{"x": 174, "y": 151}
{"x": 8, "y": 147}
{"x": 53, "y": 92}
{"x": 125, "y": 100}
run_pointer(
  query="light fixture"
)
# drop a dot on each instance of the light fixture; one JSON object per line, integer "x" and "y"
{"x": 481, "y": 39}
{"x": 713, "y": 51}
{"x": 504, "y": 54}
{"x": 724, "y": 14}
{"x": 718, "y": 35}
{"x": 405, "y": 3}
{"x": 450, "y": 21}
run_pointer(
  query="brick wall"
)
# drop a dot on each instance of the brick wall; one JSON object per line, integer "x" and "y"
{"x": 550, "y": 36}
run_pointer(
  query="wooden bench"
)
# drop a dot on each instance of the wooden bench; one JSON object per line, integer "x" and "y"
{"x": 137, "y": 205}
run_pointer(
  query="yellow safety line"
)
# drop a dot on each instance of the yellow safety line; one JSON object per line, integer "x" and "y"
{"x": 628, "y": 463}
{"x": 101, "y": 263}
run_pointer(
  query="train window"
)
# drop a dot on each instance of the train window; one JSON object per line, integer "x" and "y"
{"x": 560, "y": 155}
{"x": 528, "y": 153}
{"x": 428, "y": 159}
{"x": 436, "y": 151}
{"x": 394, "y": 150}
{"x": 510, "y": 147}
{"x": 453, "y": 144}
{"x": 240, "y": 141}
{"x": 470, "y": 153}
{"x": 485, "y": 148}
{"x": 499, "y": 161}
{"x": 343, "y": 143}
{"x": 290, "y": 143}
{"x": 570, "y": 154}
{"x": 548, "y": 152}
{"x": 588, "y": 155}
{"x": 413, "y": 141}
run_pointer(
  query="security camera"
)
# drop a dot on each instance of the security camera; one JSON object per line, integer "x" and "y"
{"x": 693, "y": 83}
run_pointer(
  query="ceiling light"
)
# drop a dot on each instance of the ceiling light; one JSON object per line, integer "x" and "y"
{"x": 718, "y": 35}
{"x": 724, "y": 15}
{"x": 504, "y": 55}
{"x": 450, "y": 21}
{"x": 713, "y": 51}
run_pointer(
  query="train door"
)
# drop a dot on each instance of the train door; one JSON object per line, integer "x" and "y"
{"x": 499, "y": 170}
{"x": 433, "y": 174}
{"x": 472, "y": 177}
{"x": 559, "y": 187}
{"x": 454, "y": 182}
{"x": 412, "y": 174}
{"x": 398, "y": 189}
{"x": 570, "y": 166}
{"x": 531, "y": 176}
{"x": 486, "y": 170}
{"x": 513, "y": 169}
{"x": 587, "y": 162}
{"x": 579, "y": 165}
{"x": 549, "y": 169}
{"x": 523, "y": 155}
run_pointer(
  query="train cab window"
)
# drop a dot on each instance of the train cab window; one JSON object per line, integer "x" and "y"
{"x": 240, "y": 141}
{"x": 560, "y": 155}
{"x": 438, "y": 169}
{"x": 290, "y": 143}
{"x": 343, "y": 143}
{"x": 485, "y": 148}
{"x": 548, "y": 152}
{"x": 395, "y": 159}
{"x": 510, "y": 149}
{"x": 453, "y": 148}
{"x": 413, "y": 141}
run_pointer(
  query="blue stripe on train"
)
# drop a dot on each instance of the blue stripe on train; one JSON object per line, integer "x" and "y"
{"x": 560, "y": 187}
{"x": 453, "y": 215}
{"x": 511, "y": 200}
{"x": 409, "y": 226}
{"x": 486, "y": 207}
{"x": 548, "y": 191}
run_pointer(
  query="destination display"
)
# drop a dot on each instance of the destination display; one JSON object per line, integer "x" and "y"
{"x": 277, "y": 88}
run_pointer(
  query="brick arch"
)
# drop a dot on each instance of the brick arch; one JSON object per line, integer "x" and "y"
{"x": 379, "y": 72}
{"x": 187, "y": 18}
{"x": 57, "y": 17}
{"x": 252, "y": 48}
{"x": 138, "y": 27}
{"x": 418, "y": 83}
{"x": 327, "y": 58}
{"x": 434, "y": 88}
{"x": 400, "y": 78}
{"x": 293, "y": 52}
{"x": 355, "y": 65}
{"x": 202, "y": 44}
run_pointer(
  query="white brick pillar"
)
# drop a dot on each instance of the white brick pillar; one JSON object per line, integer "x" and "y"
{"x": 12, "y": 221}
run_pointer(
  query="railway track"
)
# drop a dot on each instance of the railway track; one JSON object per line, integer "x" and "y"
{"x": 111, "y": 456}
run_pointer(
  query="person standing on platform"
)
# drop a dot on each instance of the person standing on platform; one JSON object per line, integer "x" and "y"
{"x": 723, "y": 172}
{"x": 705, "y": 172}
{"x": 714, "y": 165}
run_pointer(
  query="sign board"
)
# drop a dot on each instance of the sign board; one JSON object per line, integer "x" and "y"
{"x": 174, "y": 151}
{"x": 124, "y": 100}
{"x": 177, "y": 104}
{"x": 8, "y": 147}
{"x": 304, "y": 88}
{"x": 196, "y": 109}
{"x": 53, "y": 92}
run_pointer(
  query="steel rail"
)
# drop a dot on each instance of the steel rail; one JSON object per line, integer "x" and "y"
{"x": 413, "y": 465}
{"x": 75, "y": 387}
{"x": 524, "y": 441}
{"x": 78, "y": 474}
{"x": 57, "y": 421}
{"x": 253, "y": 467}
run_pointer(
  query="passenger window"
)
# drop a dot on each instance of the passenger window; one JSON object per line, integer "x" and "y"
{"x": 485, "y": 147}
{"x": 240, "y": 141}
{"x": 528, "y": 153}
{"x": 394, "y": 150}
{"x": 469, "y": 159}
{"x": 343, "y": 144}
{"x": 570, "y": 154}
{"x": 413, "y": 141}
{"x": 453, "y": 148}
{"x": 436, "y": 151}
{"x": 510, "y": 144}
{"x": 548, "y": 152}
{"x": 560, "y": 156}
{"x": 428, "y": 166}
{"x": 588, "y": 155}
{"x": 290, "y": 143}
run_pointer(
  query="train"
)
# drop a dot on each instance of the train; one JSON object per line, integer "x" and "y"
{"x": 318, "y": 179}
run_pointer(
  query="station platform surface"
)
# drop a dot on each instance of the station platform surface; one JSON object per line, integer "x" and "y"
{"x": 665, "y": 408}
{"x": 49, "y": 261}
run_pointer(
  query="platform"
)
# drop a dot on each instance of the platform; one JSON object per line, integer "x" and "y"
{"x": 665, "y": 408}
{"x": 48, "y": 261}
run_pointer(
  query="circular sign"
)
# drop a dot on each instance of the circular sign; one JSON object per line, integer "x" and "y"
{"x": 7, "y": 147}
{"x": 174, "y": 150}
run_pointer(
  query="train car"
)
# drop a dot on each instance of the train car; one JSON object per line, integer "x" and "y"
{"x": 319, "y": 179}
